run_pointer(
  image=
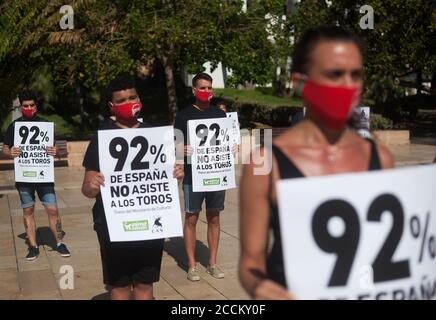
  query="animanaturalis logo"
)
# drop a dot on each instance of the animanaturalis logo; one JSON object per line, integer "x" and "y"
{"x": 211, "y": 182}
{"x": 29, "y": 174}
{"x": 135, "y": 225}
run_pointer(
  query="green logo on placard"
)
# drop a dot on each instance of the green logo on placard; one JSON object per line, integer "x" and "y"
{"x": 29, "y": 174}
{"x": 135, "y": 225}
{"x": 211, "y": 182}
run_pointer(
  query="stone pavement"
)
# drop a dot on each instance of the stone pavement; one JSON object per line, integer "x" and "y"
{"x": 41, "y": 278}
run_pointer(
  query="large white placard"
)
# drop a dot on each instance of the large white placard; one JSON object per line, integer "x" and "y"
{"x": 140, "y": 196}
{"x": 34, "y": 165}
{"x": 213, "y": 165}
{"x": 360, "y": 236}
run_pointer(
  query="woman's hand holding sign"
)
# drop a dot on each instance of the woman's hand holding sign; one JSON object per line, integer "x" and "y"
{"x": 178, "y": 172}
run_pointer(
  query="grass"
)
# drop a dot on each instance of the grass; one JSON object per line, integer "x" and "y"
{"x": 61, "y": 127}
{"x": 262, "y": 96}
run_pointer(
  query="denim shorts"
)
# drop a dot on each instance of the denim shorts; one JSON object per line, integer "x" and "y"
{"x": 46, "y": 194}
{"x": 194, "y": 200}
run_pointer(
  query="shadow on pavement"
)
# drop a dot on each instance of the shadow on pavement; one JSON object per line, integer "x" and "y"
{"x": 175, "y": 247}
{"x": 102, "y": 296}
{"x": 44, "y": 237}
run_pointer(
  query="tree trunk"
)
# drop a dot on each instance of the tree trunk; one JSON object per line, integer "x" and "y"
{"x": 78, "y": 100}
{"x": 16, "y": 112}
{"x": 419, "y": 81}
{"x": 280, "y": 83}
{"x": 290, "y": 7}
{"x": 433, "y": 85}
{"x": 171, "y": 87}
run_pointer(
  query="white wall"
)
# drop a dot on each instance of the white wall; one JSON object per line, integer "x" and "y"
{"x": 217, "y": 76}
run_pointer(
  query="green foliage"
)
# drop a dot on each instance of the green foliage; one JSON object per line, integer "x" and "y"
{"x": 246, "y": 49}
{"x": 263, "y": 96}
{"x": 378, "y": 122}
{"x": 260, "y": 106}
{"x": 402, "y": 38}
{"x": 252, "y": 114}
{"x": 112, "y": 37}
{"x": 70, "y": 68}
{"x": 382, "y": 89}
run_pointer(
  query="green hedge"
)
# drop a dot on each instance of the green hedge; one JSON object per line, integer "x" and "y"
{"x": 378, "y": 122}
{"x": 251, "y": 113}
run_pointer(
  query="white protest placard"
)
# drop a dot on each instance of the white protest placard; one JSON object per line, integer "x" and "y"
{"x": 235, "y": 133}
{"x": 360, "y": 236}
{"x": 140, "y": 196}
{"x": 213, "y": 165}
{"x": 34, "y": 165}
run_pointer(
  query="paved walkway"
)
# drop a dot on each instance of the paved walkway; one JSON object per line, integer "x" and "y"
{"x": 41, "y": 278}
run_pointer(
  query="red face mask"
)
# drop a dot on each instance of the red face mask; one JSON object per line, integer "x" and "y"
{"x": 333, "y": 105}
{"x": 127, "y": 111}
{"x": 28, "y": 113}
{"x": 203, "y": 96}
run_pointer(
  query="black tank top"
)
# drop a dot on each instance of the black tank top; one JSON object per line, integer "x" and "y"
{"x": 287, "y": 170}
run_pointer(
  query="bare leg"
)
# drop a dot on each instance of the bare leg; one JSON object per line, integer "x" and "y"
{"x": 213, "y": 234}
{"x": 55, "y": 222}
{"x": 143, "y": 291}
{"x": 29, "y": 225}
{"x": 189, "y": 236}
{"x": 121, "y": 293}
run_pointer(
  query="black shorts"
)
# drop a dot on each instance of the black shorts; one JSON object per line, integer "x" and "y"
{"x": 127, "y": 263}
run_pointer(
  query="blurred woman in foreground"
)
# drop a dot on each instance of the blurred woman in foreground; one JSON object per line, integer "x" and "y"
{"x": 328, "y": 74}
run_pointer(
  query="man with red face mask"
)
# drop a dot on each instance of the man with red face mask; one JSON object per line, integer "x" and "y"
{"x": 131, "y": 265}
{"x": 201, "y": 109}
{"x": 328, "y": 74}
{"x": 27, "y": 191}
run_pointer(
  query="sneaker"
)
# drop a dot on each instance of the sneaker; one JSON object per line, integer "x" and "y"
{"x": 194, "y": 274}
{"x": 33, "y": 253}
{"x": 62, "y": 250}
{"x": 215, "y": 272}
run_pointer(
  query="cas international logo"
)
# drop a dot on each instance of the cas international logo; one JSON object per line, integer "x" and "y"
{"x": 157, "y": 225}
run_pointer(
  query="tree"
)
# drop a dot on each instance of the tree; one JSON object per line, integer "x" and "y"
{"x": 190, "y": 33}
{"x": 130, "y": 34}
{"x": 79, "y": 61}
{"x": 246, "y": 45}
{"x": 402, "y": 41}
